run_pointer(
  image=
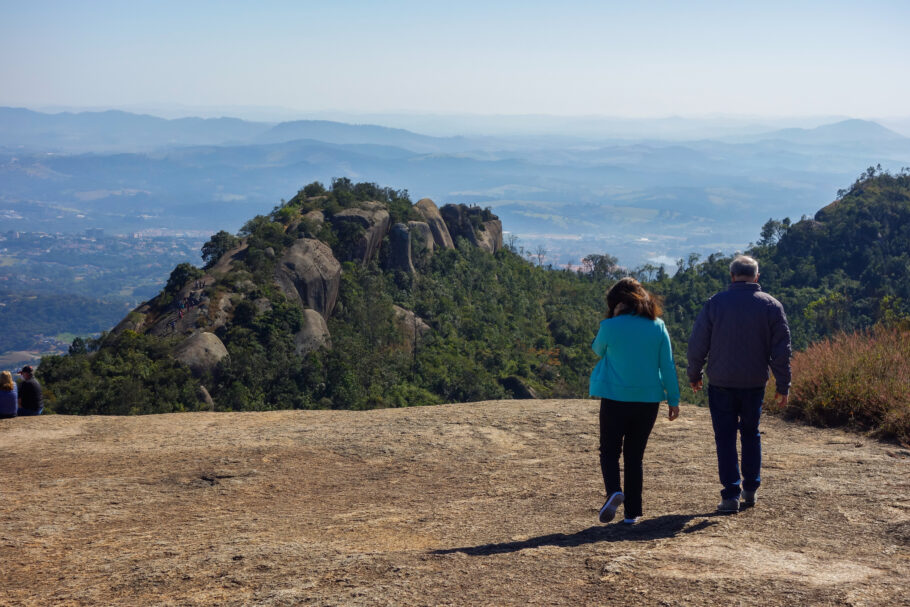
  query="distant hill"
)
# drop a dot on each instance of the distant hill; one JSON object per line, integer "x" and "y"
{"x": 350, "y": 297}
{"x": 116, "y": 130}
{"x": 846, "y": 131}
{"x": 342, "y": 133}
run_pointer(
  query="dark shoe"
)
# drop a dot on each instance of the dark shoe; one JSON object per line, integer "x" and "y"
{"x": 748, "y": 498}
{"x": 608, "y": 510}
{"x": 730, "y": 504}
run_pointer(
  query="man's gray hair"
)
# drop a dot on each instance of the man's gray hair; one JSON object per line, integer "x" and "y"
{"x": 743, "y": 265}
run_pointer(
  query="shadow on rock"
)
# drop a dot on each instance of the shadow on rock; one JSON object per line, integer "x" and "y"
{"x": 669, "y": 525}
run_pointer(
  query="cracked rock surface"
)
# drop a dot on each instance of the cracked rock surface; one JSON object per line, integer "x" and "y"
{"x": 490, "y": 503}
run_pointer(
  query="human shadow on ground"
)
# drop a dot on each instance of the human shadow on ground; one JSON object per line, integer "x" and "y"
{"x": 669, "y": 525}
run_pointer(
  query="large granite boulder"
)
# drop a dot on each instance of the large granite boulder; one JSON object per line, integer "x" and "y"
{"x": 317, "y": 218}
{"x": 490, "y": 237}
{"x": 421, "y": 238}
{"x": 204, "y": 397}
{"x": 309, "y": 274}
{"x": 400, "y": 248}
{"x": 314, "y": 333}
{"x": 517, "y": 387}
{"x": 458, "y": 222}
{"x": 370, "y": 221}
{"x": 479, "y": 227}
{"x": 430, "y": 212}
{"x": 409, "y": 325}
{"x": 201, "y": 352}
{"x": 221, "y": 311}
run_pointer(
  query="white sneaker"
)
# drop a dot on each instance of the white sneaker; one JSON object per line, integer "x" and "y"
{"x": 631, "y": 521}
{"x": 608, "y": 510}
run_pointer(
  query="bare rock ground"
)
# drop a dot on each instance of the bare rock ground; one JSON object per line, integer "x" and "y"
{"x": 489, "y": 503}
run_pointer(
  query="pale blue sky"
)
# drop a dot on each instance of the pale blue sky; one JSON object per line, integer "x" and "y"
{"x": 569, "y": 57}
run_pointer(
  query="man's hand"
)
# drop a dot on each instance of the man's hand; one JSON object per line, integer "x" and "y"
{"x": 781, "y": 400}
{"x": 696, "y": 385}
{"x": 674, "y": 413}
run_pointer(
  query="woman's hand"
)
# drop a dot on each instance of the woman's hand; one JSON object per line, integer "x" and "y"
{"x": 674, "y": 413}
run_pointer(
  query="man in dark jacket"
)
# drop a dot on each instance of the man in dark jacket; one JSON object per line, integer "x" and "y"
{"x": 30, "y": 399}
{"x": 741, "y": 331}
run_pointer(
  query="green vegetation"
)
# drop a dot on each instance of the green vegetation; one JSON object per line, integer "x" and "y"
{"x": 132, "y": 374}
{"x": 24, "y": 316}
{"x": 490, "y": 317}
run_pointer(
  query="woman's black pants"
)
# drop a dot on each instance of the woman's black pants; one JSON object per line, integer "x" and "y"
{"x": 625, "y": 428}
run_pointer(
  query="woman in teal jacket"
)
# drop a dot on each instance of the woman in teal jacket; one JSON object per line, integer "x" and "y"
{"x": 635, "y": 372}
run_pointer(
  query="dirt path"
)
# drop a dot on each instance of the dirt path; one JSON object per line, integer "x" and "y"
{"x": 478, "y": 504}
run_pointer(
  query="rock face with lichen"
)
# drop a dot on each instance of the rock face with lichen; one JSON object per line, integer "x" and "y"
{"x": 478, "y": 226}
{"x": 313, "y": 334}
{"x": 490, "y": 237}
{"x": 371, "y": 220}
{"x": 201, "y": 352}
{"x": 430, "y": 213}
{"x": 278, "y": 283}
{"x": 421, "y": 239}
{"x": 400, "y": 249}
{"x": 309, "y": 274}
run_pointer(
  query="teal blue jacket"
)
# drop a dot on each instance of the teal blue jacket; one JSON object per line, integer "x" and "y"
{"x": 637, "y": 361}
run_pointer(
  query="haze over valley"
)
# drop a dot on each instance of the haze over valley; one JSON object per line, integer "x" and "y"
{"x": 640, "y": 198}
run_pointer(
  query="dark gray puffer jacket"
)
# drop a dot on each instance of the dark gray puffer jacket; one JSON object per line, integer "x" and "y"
{"x": 741, "y": 332}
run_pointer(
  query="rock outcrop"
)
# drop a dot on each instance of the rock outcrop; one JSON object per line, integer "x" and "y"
{"x": 372, "y": 219}
{"x": 421, "y": 240}
{"x": 458, "y": 222}
{"x": 314, "y": 333}
{"x": 518, "y": 387}
{"x": 134, "y": 321}
{"x": 201, "y": 352}
{"x": 316, "y": 218}
{"x": 490, "y": 238}
{"x": 491, "y": 503}
{"x": 205, "y": 398}
{"x": 410, "y": 325}
{"x": 469, "y": 223}
{"x": 430, "y": 212}
{"x": 400, "y": 248}
{"x": 309, "y": 274}
{"x": 226, "y": 261}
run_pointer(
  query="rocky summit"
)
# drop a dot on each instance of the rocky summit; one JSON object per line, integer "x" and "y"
{"x": 489, "y": 503}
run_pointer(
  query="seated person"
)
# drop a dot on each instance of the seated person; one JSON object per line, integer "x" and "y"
{"x": 30, "y": 400}
{"x": 9, "y": 396}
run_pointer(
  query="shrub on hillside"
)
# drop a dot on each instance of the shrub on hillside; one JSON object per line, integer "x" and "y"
{"x": 858, "y": 380}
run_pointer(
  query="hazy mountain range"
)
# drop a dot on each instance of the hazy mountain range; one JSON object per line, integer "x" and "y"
{"x": 640, "y": 198}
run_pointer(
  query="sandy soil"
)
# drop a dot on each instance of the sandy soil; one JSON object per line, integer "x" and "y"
{"x": 478, "y": 504}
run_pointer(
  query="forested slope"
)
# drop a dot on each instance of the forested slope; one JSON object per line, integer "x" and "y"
{"x": 355, "y": 297}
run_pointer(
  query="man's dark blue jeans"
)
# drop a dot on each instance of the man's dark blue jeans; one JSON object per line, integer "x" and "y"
{"x": 735, "y": 409}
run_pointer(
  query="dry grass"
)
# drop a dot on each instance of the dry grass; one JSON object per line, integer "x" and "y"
{"x": 859, "y": 380}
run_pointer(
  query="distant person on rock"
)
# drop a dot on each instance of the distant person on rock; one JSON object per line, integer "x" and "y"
{"x": 635, "y": 372}
{"x": 9, "y": 396}
{"x": 30, "y": 400}
{"x": 741, "y": 332}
